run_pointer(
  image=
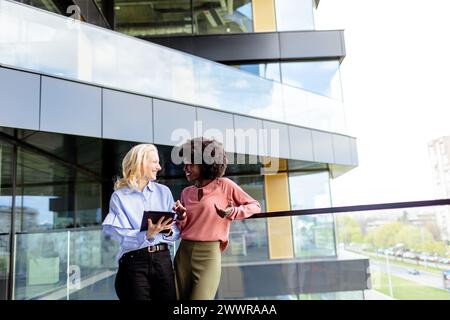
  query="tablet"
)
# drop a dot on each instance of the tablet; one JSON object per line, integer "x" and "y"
{"x": 155, "y": 216}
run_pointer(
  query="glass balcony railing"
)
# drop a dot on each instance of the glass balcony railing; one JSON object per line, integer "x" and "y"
{"x": 389, "y": 251}
{"x": 51, "y": 44}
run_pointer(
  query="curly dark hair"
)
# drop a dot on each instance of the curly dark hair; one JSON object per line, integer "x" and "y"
{"x": 213, "y": 162}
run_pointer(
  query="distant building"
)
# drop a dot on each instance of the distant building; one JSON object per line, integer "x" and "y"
{"x": 439, "y": 152}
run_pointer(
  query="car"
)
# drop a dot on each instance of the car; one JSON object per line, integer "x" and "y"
{"x": 414, "y": 272}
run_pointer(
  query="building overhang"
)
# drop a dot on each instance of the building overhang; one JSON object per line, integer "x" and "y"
{"x": 260, "y": 47}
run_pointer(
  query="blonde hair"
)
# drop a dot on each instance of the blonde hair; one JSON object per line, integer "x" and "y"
{"x": 132, "y": 166}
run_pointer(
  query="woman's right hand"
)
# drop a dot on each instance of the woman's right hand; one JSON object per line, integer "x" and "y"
{"x": 180, "y": 210}
{"x": 162, "y": 224}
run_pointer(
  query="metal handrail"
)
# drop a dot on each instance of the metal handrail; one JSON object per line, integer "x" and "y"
{"x": 302, "y": 212}
{"x": 366, "y": 207}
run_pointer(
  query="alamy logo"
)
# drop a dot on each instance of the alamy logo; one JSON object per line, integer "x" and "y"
{"x": 252, "y": 146}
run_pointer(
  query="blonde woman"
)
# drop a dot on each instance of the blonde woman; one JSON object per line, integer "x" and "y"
{"x": 145, "y": 266}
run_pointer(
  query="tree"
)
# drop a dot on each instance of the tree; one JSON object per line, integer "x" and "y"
{"x": 385, "y": 236}
{"x": 349, "y": 230}
{"x": 413, "y": 237}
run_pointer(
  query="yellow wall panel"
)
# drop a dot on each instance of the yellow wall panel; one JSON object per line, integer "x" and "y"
{"x": 264, "y": 16}
{"x": 279, "y": 229}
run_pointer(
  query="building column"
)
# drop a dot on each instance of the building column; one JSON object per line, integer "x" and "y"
{"x": 264, "y": 16}
{"x": 279, "y": 230}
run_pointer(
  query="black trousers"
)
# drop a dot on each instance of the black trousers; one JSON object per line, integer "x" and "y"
{"x": 147, "y": 276}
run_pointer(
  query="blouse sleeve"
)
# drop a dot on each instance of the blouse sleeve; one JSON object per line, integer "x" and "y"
{"x": 245, "y": 205}
{"x": 117, "y": 225}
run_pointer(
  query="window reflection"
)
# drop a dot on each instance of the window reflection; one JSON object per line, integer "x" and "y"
{"x": 219, "y": 17}
{"x": 322, "y": 77}
{"x": 5, "y": 214}
{"x": 270, "y": 71}
{"x": 313, "y": 235}
{"x": 53, "y": 195}
{"x": 148, "y": 18}
{"x": 48, "y": 5}
{"x": 248, "y": 238}
{"x": 41, "y": 264}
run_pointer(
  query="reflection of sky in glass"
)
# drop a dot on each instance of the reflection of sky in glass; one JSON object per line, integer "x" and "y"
{"x": 41, "y": 205}
{"x": 5, "y": 201}
{"x": 270, "y": 71}
{"x": 316, "y": 76}
{"x": 309, "y": 191}
{"x": 246, "y": 10}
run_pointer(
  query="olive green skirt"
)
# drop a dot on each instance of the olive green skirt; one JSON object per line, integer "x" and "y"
{"x": 197, "y": 269}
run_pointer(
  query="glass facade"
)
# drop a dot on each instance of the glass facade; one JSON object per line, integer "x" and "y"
{"x": 248, "y": 238}
{"x": 313, "y": 235}
{"x": 321, "y": 77}
{"x": 221, "y": 17}
{"x": 6, "y": 156}
{"x": 182, "y": 17}
{"x": 49, "y": 5}
{"x": 109, "y": 59}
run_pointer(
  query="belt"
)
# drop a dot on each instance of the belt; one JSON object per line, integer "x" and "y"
{"x": 150, "y": 249}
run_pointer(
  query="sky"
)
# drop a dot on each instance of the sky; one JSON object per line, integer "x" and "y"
{"x": 396, "y": 90}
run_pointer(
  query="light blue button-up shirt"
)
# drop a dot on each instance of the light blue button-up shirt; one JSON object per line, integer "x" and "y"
{"x": 126, "y": 209}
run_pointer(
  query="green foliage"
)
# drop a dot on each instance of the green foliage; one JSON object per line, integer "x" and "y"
{"x": 385, "y": 236}
{"x": 389, "y": 235}
{"x": 413, "y": 237}
{"x": 349, "y": 230}
{"x": 432, "y": 246}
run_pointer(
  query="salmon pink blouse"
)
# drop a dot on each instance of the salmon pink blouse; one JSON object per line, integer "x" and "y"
{"x": 202, "y": 223}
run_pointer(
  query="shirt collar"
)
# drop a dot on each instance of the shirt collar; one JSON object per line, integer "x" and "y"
{"x": 149, "y": 187}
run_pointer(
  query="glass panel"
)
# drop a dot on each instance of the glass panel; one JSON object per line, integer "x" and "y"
{"x": 269, "y": 71}
{"x": 50, "y": 195}
{"x": 48, "y": 5}
{"x": 220, "y": 17}
{"x": 248, "y": 238}
{"x": 92, "y": 266}
{"x": 322, "y": 77}
{"x": 5, "y": 215}
{"x": 242, "y": 94}
{"x": 88, "y": 204}
{"x": 41, "y": 265}
{"x": 409, "y": 260}
{"x": 313, "y": 235}
{"x": 384, "y": 254}
{"x": 44, "y": 193}
{"x": 294, "y": 15}
{"x": 143, "y": 18}
{"x": 58, "y": 46}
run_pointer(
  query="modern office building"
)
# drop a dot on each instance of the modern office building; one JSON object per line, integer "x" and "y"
{"x": 75, "y": 96}
{"x": 439, "y": 152}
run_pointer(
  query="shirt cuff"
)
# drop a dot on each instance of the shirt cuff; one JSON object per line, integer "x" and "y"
{"x": 153, "y": 240}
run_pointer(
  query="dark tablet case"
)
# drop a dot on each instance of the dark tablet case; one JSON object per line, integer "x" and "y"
{"x": 155, "y": 216}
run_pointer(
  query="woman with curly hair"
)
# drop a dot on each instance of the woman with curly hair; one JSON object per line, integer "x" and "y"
{"x": 209, "y": 206}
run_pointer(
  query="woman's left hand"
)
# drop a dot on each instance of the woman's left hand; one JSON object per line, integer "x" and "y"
{"x": 223, "y": 213}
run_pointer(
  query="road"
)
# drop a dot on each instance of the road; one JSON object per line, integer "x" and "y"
{"x": 424, "y": 278}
